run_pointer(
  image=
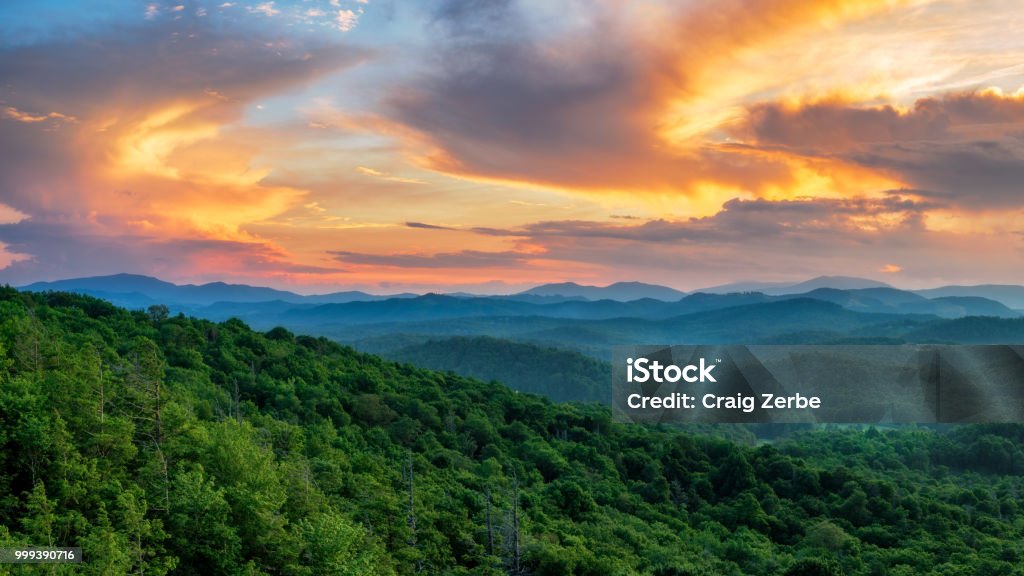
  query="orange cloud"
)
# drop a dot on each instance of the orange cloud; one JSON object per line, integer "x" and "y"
{"x": 9, "y": 215}
{"x": 834, "y": 125}
{"x": 19, "y": 116}
{"x": 156, "y": 154}
{"x": 641, "y": 108}
{"x": 963, "y": 148}
{"x": 717, "y": 55}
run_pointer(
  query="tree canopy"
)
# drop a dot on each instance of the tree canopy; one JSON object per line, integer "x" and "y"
{"x": 168, "y": 445}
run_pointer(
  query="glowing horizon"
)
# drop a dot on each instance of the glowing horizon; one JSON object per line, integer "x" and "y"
{"x": 350, "y": 144}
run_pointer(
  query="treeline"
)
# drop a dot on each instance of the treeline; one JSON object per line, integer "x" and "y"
{"x": 168, "y": 445}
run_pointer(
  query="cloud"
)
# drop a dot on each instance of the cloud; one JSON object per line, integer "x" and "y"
{"x": 983, "y": 175}
{"x": 836, "y": 125}
{"x": 346, "y": 20}
{"x": 424, "y": 226}
{"x": 378, "y": 174}
{"x": 149, "y": 143}
{"x": 598, "y": 105}
{"x": 965, "y": 147}
{"x": 771, "y": 240}
{"x": 13, "y": 113}
{"x": 9, "y": 215}
{"x": 743, "y": 222}
{"x": 777, "y": 240}
{"x": 454, "y": 260}
{"x": 54, "y": 250}
{"x": 832, "y": 127}
{"x": 265, "y": 8}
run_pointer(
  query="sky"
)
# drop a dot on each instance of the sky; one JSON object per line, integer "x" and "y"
{"x": 492, "y": 145}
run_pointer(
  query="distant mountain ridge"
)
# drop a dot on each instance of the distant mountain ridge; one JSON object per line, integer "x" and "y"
{"x": 135, "y": 290}
{"x": 1009, "y": 294}
{"x": 782, "y": 288}
{"x": 621, "y": 291}
{"x": 443, "y": 308}
{"x": 823, "y": 315}
{"x": 265, "y": 306}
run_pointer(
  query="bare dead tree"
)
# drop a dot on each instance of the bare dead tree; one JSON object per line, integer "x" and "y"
{"x": 411, "y": 506}
{"x": 516, "y": 540}
{"x": 490, "y": 523}
{"x": 235, "y": 402}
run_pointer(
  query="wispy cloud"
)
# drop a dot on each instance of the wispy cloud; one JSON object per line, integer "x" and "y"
{"x": 265, "y": 8}
{"x": 378, "y": 174}
{"x": 346, "y": 20}
{"x": 13, "y": 113}
{"x": 425, "y": 226}
{"x": 449, "y": 260}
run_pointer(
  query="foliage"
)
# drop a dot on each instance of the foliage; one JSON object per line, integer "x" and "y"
{"x": 169, "y": 445}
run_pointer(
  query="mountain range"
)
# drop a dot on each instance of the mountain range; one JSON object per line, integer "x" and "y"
{"x": 262, "y": 305}
{"x": 146, "y": 290}
{"x": 781, "y": 288}
{"x": 134, "y": 291}
{"x": 444, "y": 331}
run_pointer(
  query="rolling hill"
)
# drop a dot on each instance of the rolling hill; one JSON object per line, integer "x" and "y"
{"x": 1010, "y": 295}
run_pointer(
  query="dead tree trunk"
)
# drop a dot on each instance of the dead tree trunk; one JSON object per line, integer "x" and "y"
{"x": 490, "y": 524}
{"x": 516, "y": 554}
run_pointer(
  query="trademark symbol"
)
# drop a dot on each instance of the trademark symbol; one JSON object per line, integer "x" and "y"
{"x": 718, "y": 360}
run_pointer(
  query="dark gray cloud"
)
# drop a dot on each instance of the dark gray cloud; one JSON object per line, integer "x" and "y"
{"x": 973, "y": 175}
{"x": 741, "y": 221}
{"x": 425, "y": 226}
{"x": 574, "y": 106}
{"x": 965, "y": 148}
{"x": 462, "y": 259}
{"x": 870, "y": 237}
{"x": 475, "y": 18}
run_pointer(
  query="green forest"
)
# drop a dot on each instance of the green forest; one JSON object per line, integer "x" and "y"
{"x": 164, "y": 444}
{"x": 561, "y": 375}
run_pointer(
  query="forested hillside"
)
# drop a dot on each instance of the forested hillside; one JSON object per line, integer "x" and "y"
{"x": 561, "y": 375}
{"x": 169, "y": 445}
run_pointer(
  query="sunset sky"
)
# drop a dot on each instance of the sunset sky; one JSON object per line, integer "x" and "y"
{"x": 488, "y": 146}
